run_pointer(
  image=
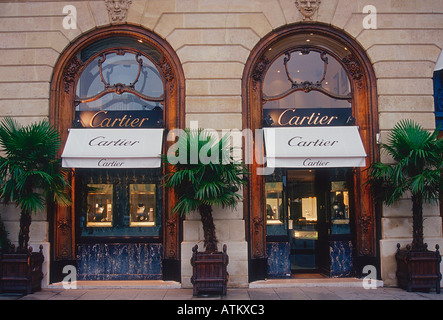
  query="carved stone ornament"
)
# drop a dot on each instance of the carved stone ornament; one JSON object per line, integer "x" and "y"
{"x": 117, "y": 10}
{"x": 307, "y": 7}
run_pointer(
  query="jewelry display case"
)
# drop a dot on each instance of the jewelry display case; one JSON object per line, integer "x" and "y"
{"x": 142, "y": 205}
{"x": 99, "y": 200}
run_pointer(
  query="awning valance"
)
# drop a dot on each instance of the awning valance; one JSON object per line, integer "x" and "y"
{"x": 314, "y": 147}
{"x": 113, "y": 148}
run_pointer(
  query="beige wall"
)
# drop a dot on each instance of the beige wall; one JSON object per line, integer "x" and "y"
{"x": 213, "y": 40}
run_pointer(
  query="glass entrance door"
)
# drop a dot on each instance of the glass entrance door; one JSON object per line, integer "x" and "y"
{"x": 306, "y": 196}
{"x": 308, "y": 219}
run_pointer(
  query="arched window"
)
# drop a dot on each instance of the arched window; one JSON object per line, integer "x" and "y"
{"x": 123, "y": 83}
{"x": 120, "y": 80}
{"x": 306, "y": 77}
{"x": 308, "y": 86}
{"x": 119, "y": 87}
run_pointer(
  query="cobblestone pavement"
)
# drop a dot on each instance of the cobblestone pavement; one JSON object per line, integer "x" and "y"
{"x": 297, "y": 293}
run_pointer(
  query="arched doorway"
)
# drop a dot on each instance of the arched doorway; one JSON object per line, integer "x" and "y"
{"x": 356, "y": 96}
{"x": 142, "y": 77}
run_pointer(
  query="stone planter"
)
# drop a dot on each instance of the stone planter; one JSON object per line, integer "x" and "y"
{"x": 210, "y": 274}
{"x": 418, "y": 270}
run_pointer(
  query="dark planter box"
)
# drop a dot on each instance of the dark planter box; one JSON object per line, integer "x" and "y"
{"x": 21, "y": 272}
{"x": 210, "y": 274}
{"x": 418, "y": 270}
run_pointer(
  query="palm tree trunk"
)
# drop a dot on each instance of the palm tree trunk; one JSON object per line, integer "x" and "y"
{"x": 23, "y": 236}
{"x": 208, "y": 228}
{"x": 417, "y": 223}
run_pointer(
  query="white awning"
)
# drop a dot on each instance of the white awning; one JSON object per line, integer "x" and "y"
{"x": 113, "y": 148}
{"x": 309, "y": 147}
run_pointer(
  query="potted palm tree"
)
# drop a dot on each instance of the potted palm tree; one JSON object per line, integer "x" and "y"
{"x": 418, "y": 160}
{"x": 204, "y": 174}
{"x": 30, "y": 174}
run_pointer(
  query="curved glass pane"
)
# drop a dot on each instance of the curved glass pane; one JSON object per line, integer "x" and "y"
{"x": 121, "y": 69}
{"x": 306, "y": 68}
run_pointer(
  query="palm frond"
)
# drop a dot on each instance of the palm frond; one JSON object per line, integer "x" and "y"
{"x": 207, "y": 173}
{"x": 418, "y": 156}
{"x": 30, "y": 170}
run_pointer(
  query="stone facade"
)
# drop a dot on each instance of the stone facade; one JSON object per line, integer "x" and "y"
{"x": 213, "y": 40}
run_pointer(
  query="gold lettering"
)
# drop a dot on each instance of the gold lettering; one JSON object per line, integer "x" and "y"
{"x": 332, "y": 118}
{"x": 91, "y": 122}
{"x": 121, "y": 122}
{"x": 113, "y": 122}
{"x": 105, "y": 123}
{"x": 314, "y": 119}
{"x": 127, "y": 121}
{"x": 323, "y": 120}
{"x": 281, "y": 115}
{"x": 142, "y": 120}
{"x": 134, "y": 122}
{"x": 303, "y": 119}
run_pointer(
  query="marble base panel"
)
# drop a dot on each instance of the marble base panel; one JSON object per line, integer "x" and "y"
{"x": 341, "y": 258}
{"x": 279, "y": 265}
{"x": 119, "y": 261}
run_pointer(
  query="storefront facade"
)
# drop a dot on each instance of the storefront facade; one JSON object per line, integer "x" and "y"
{"x": 313, "y": 93}
{"x": 318, "y": 84}
{"x": 115, "y": 93}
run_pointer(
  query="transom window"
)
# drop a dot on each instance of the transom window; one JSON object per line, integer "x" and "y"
{"x": 120, "y": 80}
{"x": 306, "y": 77}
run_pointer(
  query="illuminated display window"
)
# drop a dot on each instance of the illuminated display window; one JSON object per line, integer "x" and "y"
{"x": 99, "y": 212}
{"x": 119, "y": 204}
{"x": 274, "y": 205}
{"x": 142, "y": 205}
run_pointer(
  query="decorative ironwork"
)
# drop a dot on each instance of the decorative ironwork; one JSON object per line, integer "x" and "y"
{"x": 119, "y": 88}
{"x": 306, "y": 86}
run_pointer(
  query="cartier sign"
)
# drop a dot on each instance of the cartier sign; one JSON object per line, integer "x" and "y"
{"x": 295, "y": 117}
{"x": 113, "y": 148}
{"x": 119, "y": 119}
{"x": 319, "y": 147}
